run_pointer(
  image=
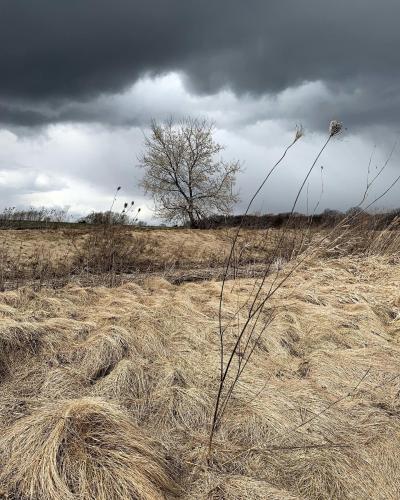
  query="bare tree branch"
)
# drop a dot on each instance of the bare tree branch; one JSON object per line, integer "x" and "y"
{"x": 187, "y": 180}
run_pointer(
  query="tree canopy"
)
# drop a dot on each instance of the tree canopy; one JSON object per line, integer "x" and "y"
{"x": 184, "y": 172}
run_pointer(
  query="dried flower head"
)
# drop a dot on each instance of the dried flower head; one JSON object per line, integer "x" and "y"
{"x": 125, "y": 205}
{"x": 299, "y": 132}
{"x": 335, "y": 128}
{"x": 118, "y": 188}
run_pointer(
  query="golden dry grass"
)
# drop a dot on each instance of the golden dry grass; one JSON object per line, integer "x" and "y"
{"x": 176, "y": 247}
{"x": 82, "y": 448}
{"x": 159, "y": 247}
{"x": 64, "y": 251}
{"x": 108, "y": 393}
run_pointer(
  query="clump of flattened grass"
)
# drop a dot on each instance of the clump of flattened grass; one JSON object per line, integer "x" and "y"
{"x": 81, "y": 448}
{"x": 128, "y": 378}
{"x": 102, "y": 351}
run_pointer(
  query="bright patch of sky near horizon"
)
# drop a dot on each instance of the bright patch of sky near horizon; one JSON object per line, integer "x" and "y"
{"x": 78, "y": 164}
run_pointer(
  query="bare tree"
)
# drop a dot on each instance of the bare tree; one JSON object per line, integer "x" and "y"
{"x": 184, "y": 173}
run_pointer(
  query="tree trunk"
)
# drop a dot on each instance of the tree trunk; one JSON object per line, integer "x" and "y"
{"x": 192, "y": 218}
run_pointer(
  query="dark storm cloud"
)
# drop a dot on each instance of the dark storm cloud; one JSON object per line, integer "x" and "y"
{"x": 15, "y": 115}
{"x": 55, "y": 52}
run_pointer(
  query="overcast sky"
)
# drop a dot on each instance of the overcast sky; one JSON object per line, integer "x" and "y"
{"x": 81, "y": 80}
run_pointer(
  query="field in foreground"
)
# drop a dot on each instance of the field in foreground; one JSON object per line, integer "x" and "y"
{"x": 107, "y": 393}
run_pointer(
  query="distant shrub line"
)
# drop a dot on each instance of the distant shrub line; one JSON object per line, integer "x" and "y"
{"x": 328, "y": 218}
{"x": 43, "y": 218}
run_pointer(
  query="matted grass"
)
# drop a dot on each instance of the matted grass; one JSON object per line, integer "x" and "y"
{"x": 108, "y": 393}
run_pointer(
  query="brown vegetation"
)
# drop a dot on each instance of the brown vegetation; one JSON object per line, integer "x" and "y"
{"x": 109, "y": 392}
{"x": 110, "y": 252}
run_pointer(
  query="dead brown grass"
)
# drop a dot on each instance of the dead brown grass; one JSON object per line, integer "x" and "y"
{"x": 157, "y": 247}
{"x": 111, "y": 254}
{"x": 108, "y": 393}
{"x": 82, "y": 448}
{"x": 45, "y": 254}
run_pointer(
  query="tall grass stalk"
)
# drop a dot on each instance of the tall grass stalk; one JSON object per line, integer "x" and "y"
{"x": 257, "y": 304}
{"x": 247, "y": 331}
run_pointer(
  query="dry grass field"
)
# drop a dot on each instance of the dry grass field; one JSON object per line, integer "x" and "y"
{"x": 149, "y": 248}
{"x": 155, "y": 249}
{"x": 39, "y": 256}
{"x": 108, "y": 392}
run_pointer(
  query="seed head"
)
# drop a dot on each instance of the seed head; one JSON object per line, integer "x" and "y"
{"x": 299, "y": 132}
{"x": 335, "y": 128}
{"x": 118, "y": 188}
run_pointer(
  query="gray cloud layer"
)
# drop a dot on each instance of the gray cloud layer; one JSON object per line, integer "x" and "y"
{"x": 57, "y": 53}
{"x": 256, "y": 67}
